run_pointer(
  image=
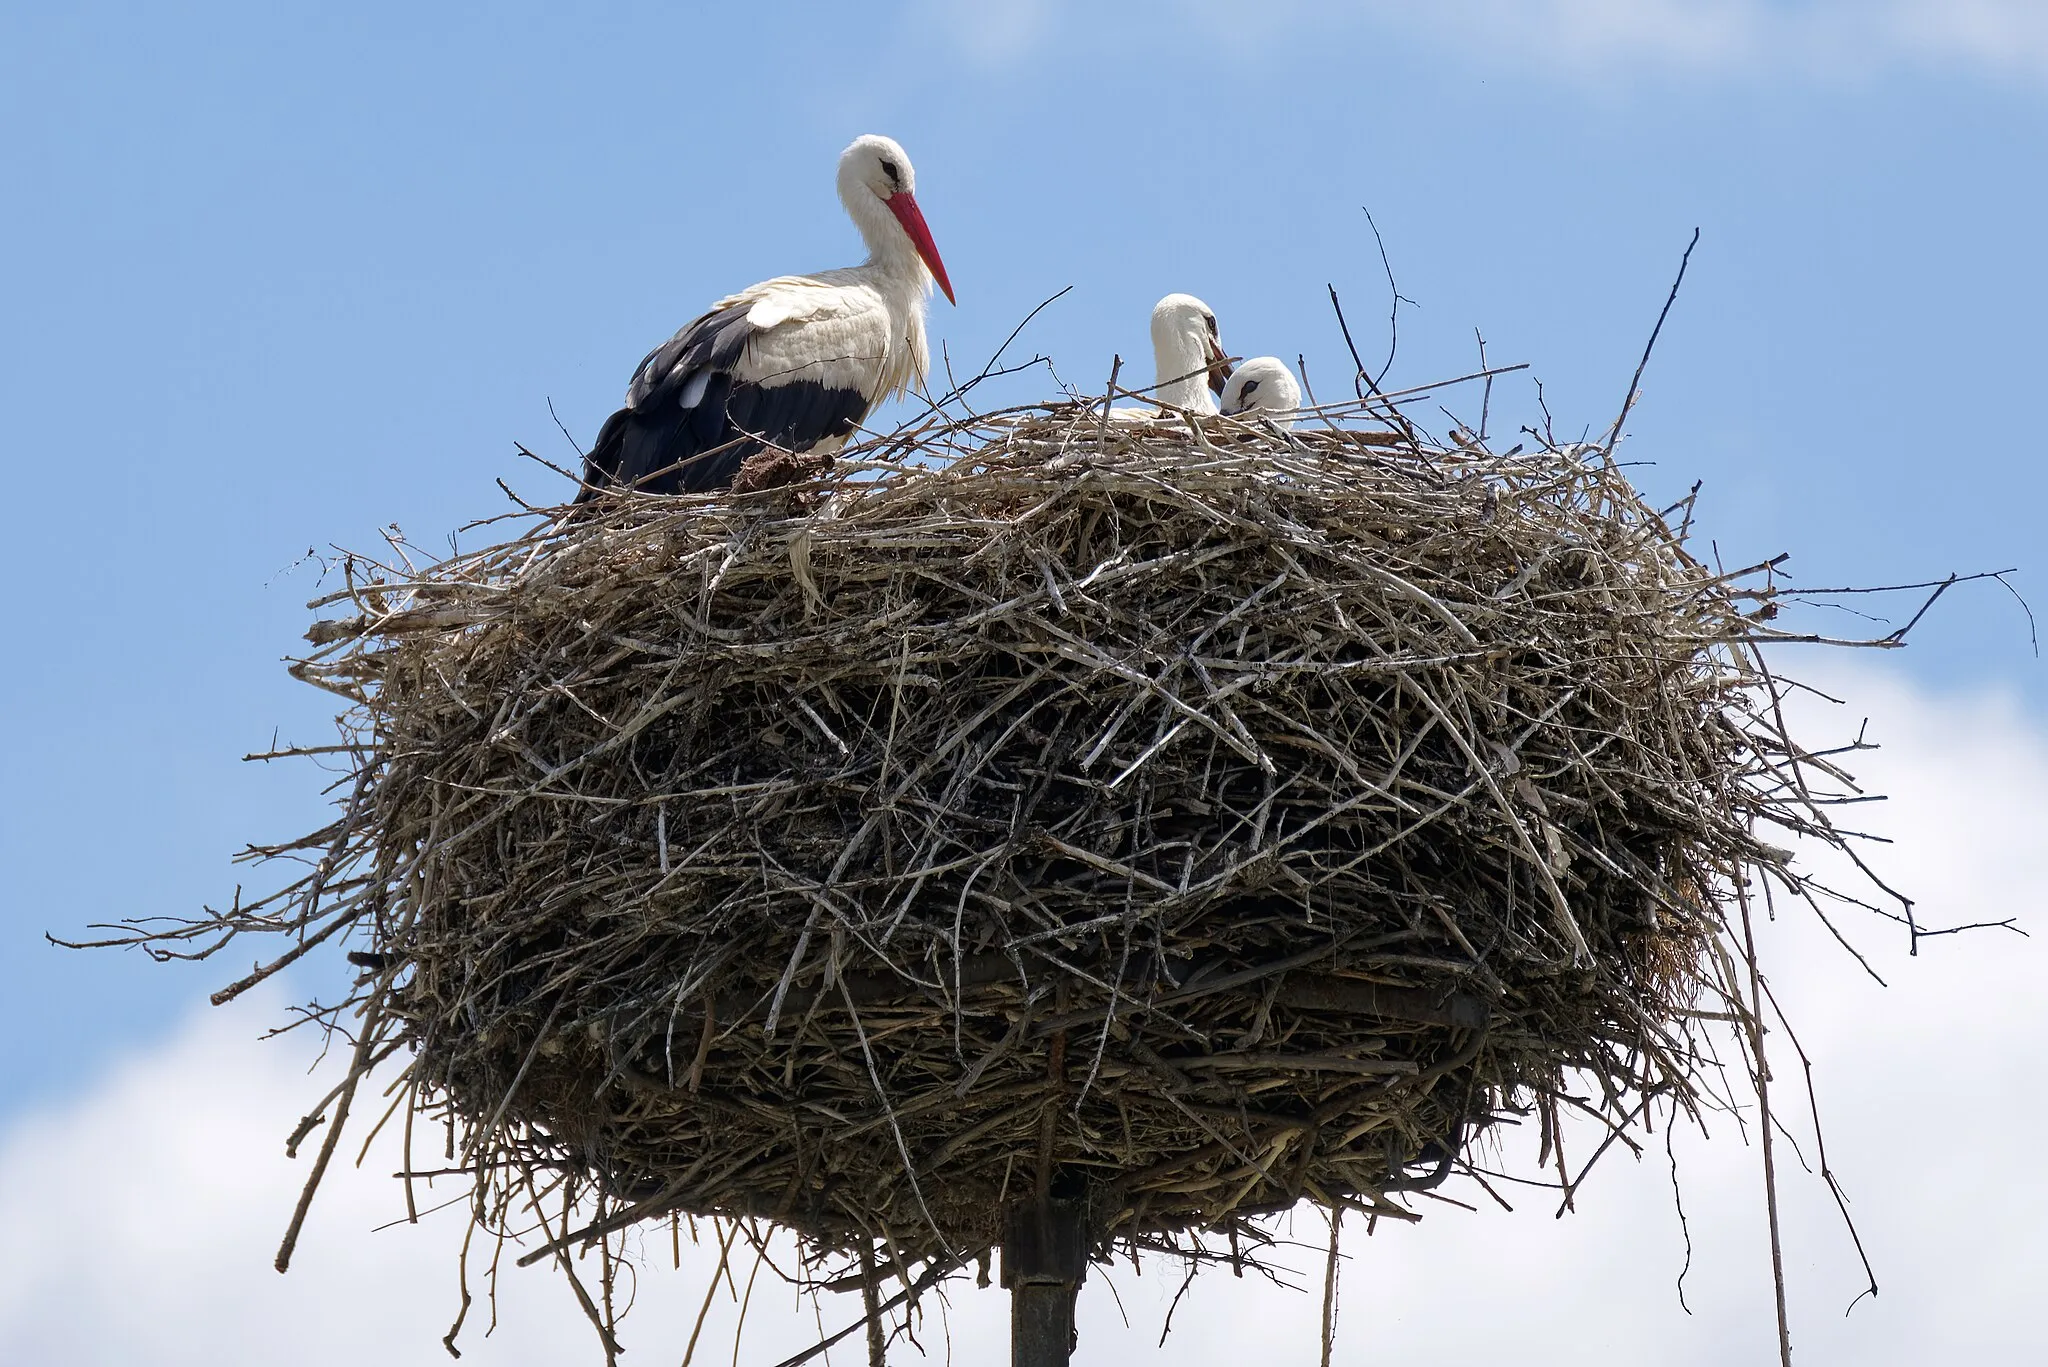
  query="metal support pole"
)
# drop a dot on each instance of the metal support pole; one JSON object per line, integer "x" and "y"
{"x": 1045, "y": 1260}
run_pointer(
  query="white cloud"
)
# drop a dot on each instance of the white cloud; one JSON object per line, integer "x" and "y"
{"x": 1608, "y": 38}
{"x": 991, "y": 31}
{"x": 141, "y": 1218}
{"x": 1805, "y": 38}
{"x": 2002, "y": 35}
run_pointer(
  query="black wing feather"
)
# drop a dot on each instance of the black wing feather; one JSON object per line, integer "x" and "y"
{"x": 657, "y": 445}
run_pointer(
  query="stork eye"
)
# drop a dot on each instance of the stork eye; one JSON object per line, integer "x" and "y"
{"x": 1210, "y": 319}
{"x": 1249, "y": 386}
{"x": 889, "y": 170}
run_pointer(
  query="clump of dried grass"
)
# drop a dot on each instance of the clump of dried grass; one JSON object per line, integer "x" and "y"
{"x": 1197, "y": 817}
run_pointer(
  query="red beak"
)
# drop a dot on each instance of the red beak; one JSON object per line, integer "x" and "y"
{"x": 904, "y": 205}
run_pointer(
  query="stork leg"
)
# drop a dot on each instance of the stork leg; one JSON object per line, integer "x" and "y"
{"x": 1045, "y": 1260}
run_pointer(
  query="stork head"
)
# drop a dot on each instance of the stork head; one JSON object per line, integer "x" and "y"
{"x": 875, "y": 174}
{"x": 1263, "y": 384}
{"x": 1185, "y": 339}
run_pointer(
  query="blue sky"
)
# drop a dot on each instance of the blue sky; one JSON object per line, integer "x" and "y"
{"x": 273, "y": 276}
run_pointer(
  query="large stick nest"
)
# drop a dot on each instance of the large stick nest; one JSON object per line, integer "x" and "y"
{"x": 1197, "y": 819}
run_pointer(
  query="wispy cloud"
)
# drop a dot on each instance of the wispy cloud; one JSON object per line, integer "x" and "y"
{"x": 1803, "y": 37}
{"x": 1776, "y": 38}
{"x": 2000, "y": 35}
{"x": 141, "y": 1218}
{"x": 995, "y": 32}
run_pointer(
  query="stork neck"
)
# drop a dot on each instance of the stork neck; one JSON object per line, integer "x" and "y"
{"x": 892, "y": 260}
{"x": 1183, "y": 374}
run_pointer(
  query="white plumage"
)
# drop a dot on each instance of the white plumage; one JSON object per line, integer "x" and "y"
{"x": 1188, "y": 360}
{"x": 792, "y": 364}
{"x": 1263, "y": 387}
{"x": 1187, "y": 353}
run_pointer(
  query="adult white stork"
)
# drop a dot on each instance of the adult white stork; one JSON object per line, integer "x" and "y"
{"x": 1263, "y": 387}
{"x": 794, "y": 363}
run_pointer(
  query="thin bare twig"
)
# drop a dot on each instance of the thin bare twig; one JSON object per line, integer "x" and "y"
{"x": 1636, "y": 380}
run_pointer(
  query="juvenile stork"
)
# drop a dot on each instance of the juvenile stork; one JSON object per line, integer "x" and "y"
{"x": 791, "y": 364}
{"x": 1263, "y": 387}
{"x": 1187, "y": 354}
